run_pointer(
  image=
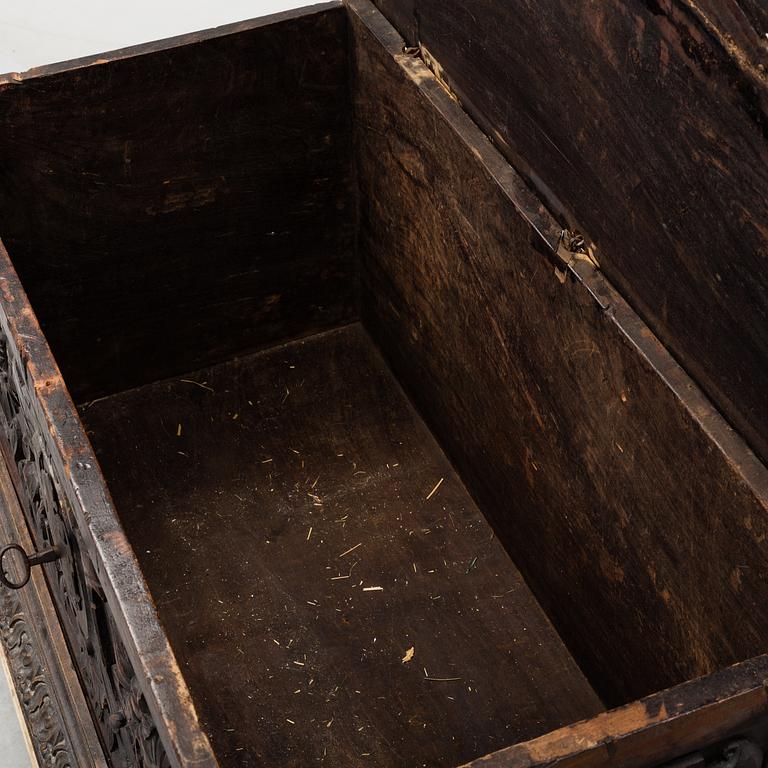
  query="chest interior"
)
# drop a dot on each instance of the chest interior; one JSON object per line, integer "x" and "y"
{"x": 403, "y": 488}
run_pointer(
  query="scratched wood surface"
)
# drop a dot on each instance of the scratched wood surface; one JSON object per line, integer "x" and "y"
{"x": 636, "y": 517}
{"x": 646, "y": 125}
{"x": 241, "y": 494}
{"x": 641, "y": 538}
{"x": 196, "y": 195}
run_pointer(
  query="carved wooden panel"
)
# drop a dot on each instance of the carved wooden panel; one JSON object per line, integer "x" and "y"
{"x": 42, "y": 716}
{"x": 117, "y": 704}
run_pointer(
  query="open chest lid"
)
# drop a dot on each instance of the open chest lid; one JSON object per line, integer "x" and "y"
{"x": 645, "y": 126}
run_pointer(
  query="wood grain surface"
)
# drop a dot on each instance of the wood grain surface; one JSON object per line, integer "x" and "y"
{"x": 645, "y": 124}
{"x": 241, "y": 494}
{"x": 186, "y": 203}
{"x": 168, "y": 208}
{"x": 632, "y": 513}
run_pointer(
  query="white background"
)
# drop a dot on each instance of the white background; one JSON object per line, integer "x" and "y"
{"x": 37, "y": 32}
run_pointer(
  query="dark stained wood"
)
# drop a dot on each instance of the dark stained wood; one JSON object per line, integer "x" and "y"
{"x": 99, "y": 592}
{"x": 690, "y": 717}
{"x": 242, "y": 486}
{"x": 637, "y": 517}
{"x": 197, "y": 195}
{"x": 645, "y": 124}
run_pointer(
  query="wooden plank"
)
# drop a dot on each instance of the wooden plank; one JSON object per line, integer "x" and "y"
{"x": 300, "y": 530}
{"x": 645, "y": 124}
{"x": 194, "y": 193}
{"x": 634, "y": 513}
{"x": 690, "y": 717}
{"x": 63, "y": 487}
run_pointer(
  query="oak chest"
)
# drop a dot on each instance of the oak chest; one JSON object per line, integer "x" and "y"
{"x": 386, "y": 395}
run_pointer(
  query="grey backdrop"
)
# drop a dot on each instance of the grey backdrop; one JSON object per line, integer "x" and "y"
{"x": 36, "y": 32}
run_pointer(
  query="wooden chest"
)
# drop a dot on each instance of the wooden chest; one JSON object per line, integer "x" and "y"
{"x": 328, "y": 439}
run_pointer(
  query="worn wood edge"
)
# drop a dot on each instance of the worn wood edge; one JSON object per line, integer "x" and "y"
{"x": 734, "y": 448}
{"x": 747, "y": 62}
{"x": 522, "y": 197}
{"x": 665, "y": 725}
{"x": 736, "y": 452}
{"x": 118, "y": 570}
{"x": 59, "y": 727}
{"x": 142, "y": 49}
